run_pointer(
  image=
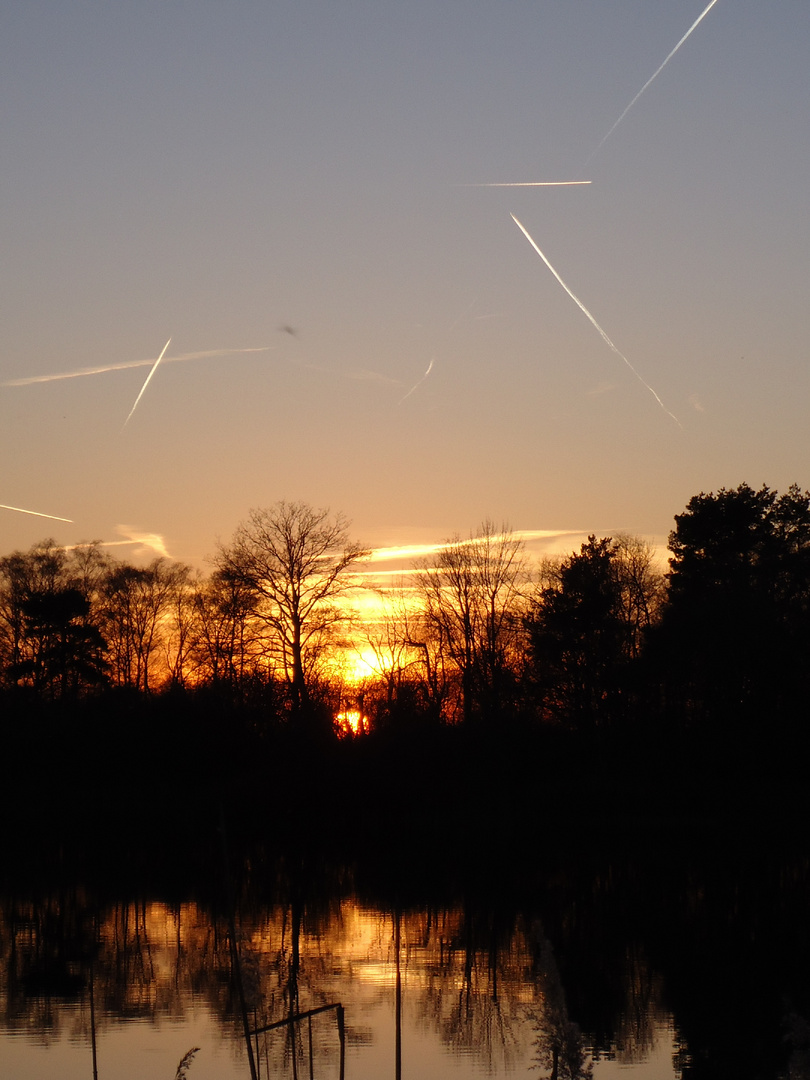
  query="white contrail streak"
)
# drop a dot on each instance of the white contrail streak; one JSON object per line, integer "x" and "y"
{"x": 19, "y": 510}
{"x": 146, "y": 383}
{"x": 417, "y": 384}
{"x": 536, "y": 183}
{"x": 207, "y": 354}
{"x": 655, "y": 75}
{"x": 587, "y": 313}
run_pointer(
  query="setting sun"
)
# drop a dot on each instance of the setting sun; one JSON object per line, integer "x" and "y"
{"x": 351, "y": 722}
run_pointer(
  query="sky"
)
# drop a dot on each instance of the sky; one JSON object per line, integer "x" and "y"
{"x": 295, "y": 194}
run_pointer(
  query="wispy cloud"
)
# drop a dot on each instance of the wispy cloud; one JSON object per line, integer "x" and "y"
{"x": 421, "y": 551}
{"x": 103, "y": 369}
{"x": 145, "y": 543}
{"x": 364, "y": 375}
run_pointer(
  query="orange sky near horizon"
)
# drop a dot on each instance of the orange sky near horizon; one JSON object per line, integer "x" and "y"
{"x": 315, "y": 205}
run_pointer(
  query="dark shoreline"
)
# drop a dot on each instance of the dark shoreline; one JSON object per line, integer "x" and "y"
{"x": 155, "y": 785}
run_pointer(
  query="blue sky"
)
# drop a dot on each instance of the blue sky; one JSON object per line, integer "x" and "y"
{"x": 216, "y": 173}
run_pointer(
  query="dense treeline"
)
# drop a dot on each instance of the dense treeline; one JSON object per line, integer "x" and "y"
{"x": 601, "y": 640}
{"x": 592, "y": 683}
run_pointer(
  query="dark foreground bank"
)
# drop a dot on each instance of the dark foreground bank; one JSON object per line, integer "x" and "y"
{"x": 121, "y": 780}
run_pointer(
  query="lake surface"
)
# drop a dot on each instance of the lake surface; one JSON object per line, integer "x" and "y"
{"x": 690, "y": 960}
{"x": 432, "y": 990}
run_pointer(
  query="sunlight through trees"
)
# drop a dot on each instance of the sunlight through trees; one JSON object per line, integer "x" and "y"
{"x": 601, "y": 639}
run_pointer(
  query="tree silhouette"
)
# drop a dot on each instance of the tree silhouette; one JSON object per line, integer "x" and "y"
{"x": 472, "y": 596}
{"x": 226, "y": 648}
{"x": 579, "y": 638}
{"x": 136, "y": 604}
{"x": 736, "y": 627}
{"x": 49, "y": 634}
{"x": 64, "y": 652}
{"x": 295, "y": 559}
{"x": 22, "y": 575}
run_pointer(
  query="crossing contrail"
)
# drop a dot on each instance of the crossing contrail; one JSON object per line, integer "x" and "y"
{"x": 587, "y": 313}
{"x": 19, "y": 510}
{"x": 80, "y": 373}
{"x": 655, "y": 75}
{"x": 536, "y": 183}
{"x": 417, "y": 384}
{"x": 146, "y": 383}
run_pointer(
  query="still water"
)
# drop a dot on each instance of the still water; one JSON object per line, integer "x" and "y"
{"x": 646, "y": 974}
{"x": 422, "y": 996}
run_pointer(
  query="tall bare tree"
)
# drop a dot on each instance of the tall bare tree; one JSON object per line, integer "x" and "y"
{"x": 472, "y": 591}
{"x": 296, "y": 559}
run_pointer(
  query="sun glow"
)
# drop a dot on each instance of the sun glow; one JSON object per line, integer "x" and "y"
{"x": 351, "y": 722}
{"x": 363, "y": 664}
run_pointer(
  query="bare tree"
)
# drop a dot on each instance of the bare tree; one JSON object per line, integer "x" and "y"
{"x": 405, "y": 681}
{"x": 642, "y": 584}
{"x": 473, "y": 606}
{"x": 296, "y": 560}
{"x": 137, "y": 610}
{"x": 227, "y": 647}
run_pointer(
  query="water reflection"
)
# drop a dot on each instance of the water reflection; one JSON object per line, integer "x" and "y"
{"x": 618, "y": 971}
{"x": 463, "y": 979}
{"x": 560, "y": 1045}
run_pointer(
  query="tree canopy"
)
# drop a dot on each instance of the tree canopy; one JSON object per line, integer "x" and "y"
{"x": 736, "y": 626}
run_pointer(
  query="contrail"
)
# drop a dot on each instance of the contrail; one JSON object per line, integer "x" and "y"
{"x": 81, "y": 372}
{"x": 655, "y": 75}
{"x": 417, "y": 384}
{"x": 19, "y": 510}
{"x": 146, "y": 383}
{"x": 535, "y": 183}
{"x": 585, "y": 311}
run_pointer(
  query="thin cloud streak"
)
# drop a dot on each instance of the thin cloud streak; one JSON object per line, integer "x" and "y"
{"x": 590, "y": 317}
{"x": 417, "y": 384}
{"x": 419, "y": 551}
{"x": 654, "y": 76}
{"x": 83, "y": 372}
{"x": 146, "y": 383}
{"x": 535, "y": 183}
{"x": 363, "y": 375}
{"x": 35, "y": 513}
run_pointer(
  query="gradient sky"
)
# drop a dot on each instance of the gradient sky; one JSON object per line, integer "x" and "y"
{"x": 299, "y": 177}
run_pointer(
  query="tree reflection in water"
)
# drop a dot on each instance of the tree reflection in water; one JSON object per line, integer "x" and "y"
{"x": 559, "y": 1043}
{"x": 465, "y": 977}
{"x": 478, "y": 982}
